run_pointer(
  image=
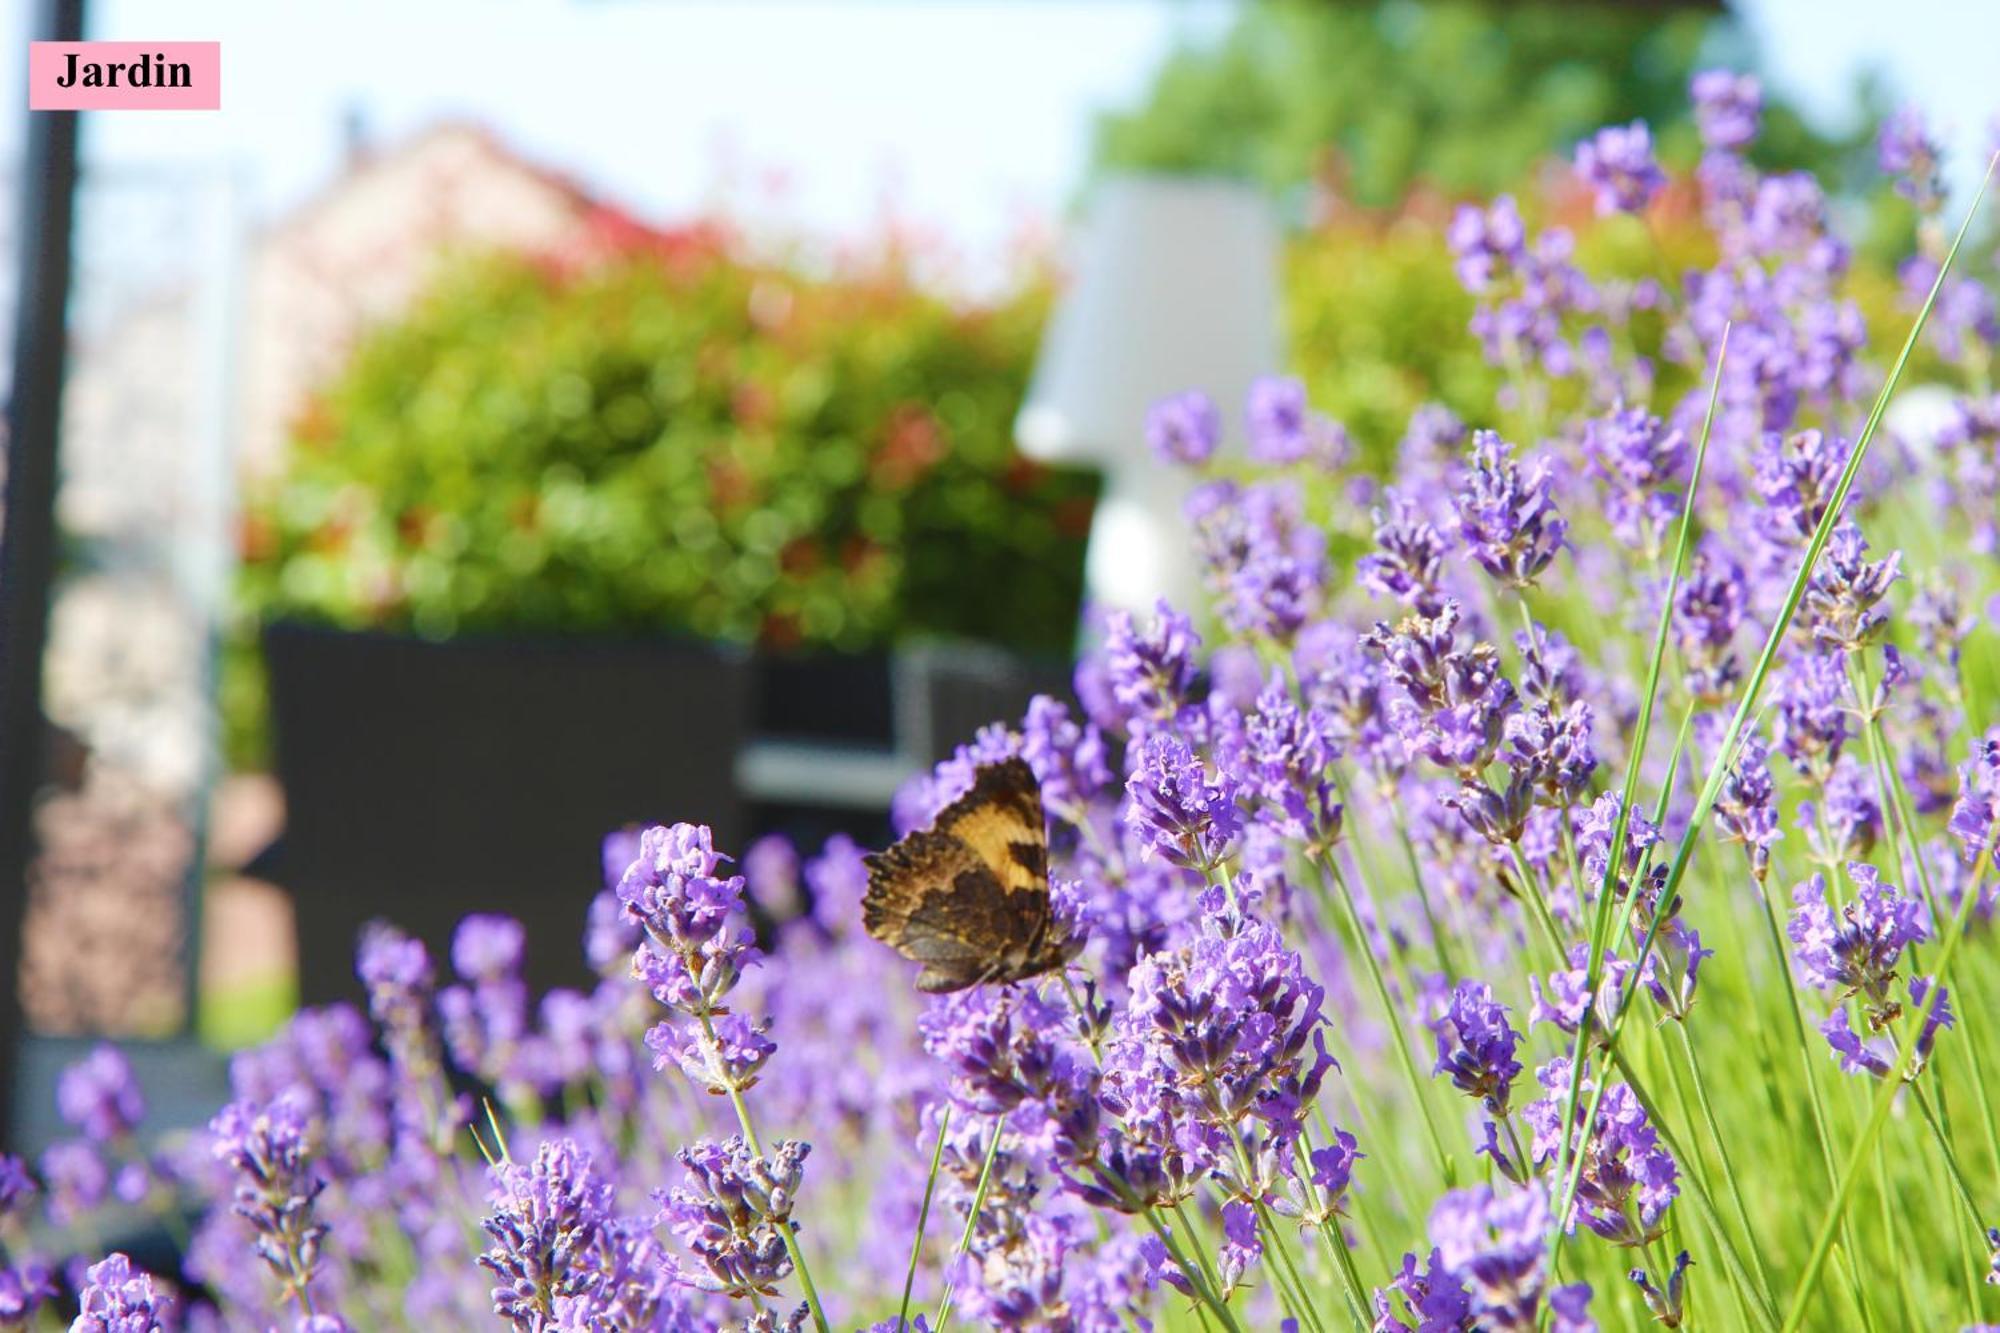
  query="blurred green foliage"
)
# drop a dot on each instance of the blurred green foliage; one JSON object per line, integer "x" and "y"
{"x": 689, "y": 443}
{"x": 1375, "y": 98}
{"x": 1377, "y": 320}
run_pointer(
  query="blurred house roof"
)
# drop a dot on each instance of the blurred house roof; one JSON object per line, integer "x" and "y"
{"x": 366, "y": 244}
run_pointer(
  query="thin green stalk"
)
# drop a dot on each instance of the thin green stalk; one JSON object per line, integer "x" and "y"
{"x": 1397, "y": 1038}
{"x": 1732, "y": 735}
{"x": 785, "y": 1228}
{"x": 1902, "y": 820}
{"x": 1197, "y": 1245}
{"x": 1963, "y": 1189}
{"x": 1439, "y": 943}
{"x": 1815, "y": 1100}
{"x": 1281, "y": 1263}
{"x": 923, "y": 1217}
{"x": 1704, "y": 1205}
{"x": 1689, "y": 1115}
{"x": 1537, "y": 907}
{"x": 1192, "y": 1272}
{"x": 1349, "y": 1277}
{"x": 1302, "y": 1154}
{"x": 1885, "y": 1095}
{"x": 1886, "y": 1205}
{"x": 1896, "y": 795}
{"x": 1967, "y": 1267}
{"x": 1621, "y": 826}
{"x": 1729, "y": 1172}
{"x": 943, "y": 1315}
{"x": 1762, "y": 1291}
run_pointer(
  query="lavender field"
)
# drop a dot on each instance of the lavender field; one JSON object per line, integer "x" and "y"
{"x": 1549, "y": 888}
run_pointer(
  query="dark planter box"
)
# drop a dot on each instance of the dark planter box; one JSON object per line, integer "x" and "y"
{"x": 838, "y": 697}
{"x": 426, "y": 780}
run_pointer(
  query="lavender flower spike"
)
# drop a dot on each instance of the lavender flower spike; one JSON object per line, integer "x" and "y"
{"x": 271, "y": 1150}
{"x": 1507, "y": 519}
{"x": 1475, "y": 1045}
{"x": 548, "y": 1227}
{"x": 1617, "y": 164}
{"x": 1185, "y": 429}
{"x": 731, "y": 1214}
{"x": 117, "y": 1298}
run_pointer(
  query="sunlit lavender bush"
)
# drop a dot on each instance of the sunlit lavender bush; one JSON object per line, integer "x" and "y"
{"x": 1573, "y": 913}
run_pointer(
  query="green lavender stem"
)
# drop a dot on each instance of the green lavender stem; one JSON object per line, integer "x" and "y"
{"x": 923, "y": 1217}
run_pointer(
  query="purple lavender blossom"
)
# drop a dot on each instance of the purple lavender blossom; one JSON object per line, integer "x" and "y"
{"x": 1423, "y": 1300}
{"x": 271, "y": 1151}
{"x": 1487, "y": 243}
{"x": 396, "y": 970}
{"x": 1184, "y": 429}
{"x": 486, "y": 1024}
{"x": 1846, "y": 823}
{"x": 488, "y": 947}
{"x": 118, "y": 1298}
{"x": 1150, "y": 671}
{"x": 1846, "y": 589}
{"x": 1408, "y": 560}
{"x": 1708, "y": 608}
{"x": 1495, "y": 1246}
{"x": 75, "y": 1181}
{"x": 1552, "y": 748}
{"x": 1907, "y": 150}
{"x": 1975, "y": 817}
{"x": 553, "y": 1239}
{"x": 1507, "y": 520}
{"x": 996, "y": 1045}
{"x": 1639, "y": 460}
{"x": 1667, "y": 1301}
{"x": 1854, "y": 950}
{"x": 1261, "y": 560}
{"x": 1617, "y": 164}
{"x": 1795, "y": 477}
{"x": 731, "y": 1214}
{"x": 1566, "y": 996}
{"x": 694, "y": 951}
{"x": 1812, "y": 717}
{"x": 1225, "y": 1030}
{"x": 101, "y": 1097}
{"x": 1181, "y": 810}
{"x": 1964, "y": 323}
{"x": 1013, "y": 1276}
{"x": 1969, "y": 443}
{"x": 1433, "y": 438}
{"x": 1475, "y": 1046}
{"x": 1240, "y": 1246}
{"x": 1288, "y": 751}
{"x": 1876, "y": 1056}
{"x": 1726, "y": 108}
{"x": 1070, "y": 761}
{"x": 1746, "y": 804}
{"x": 771, "y": 874}
{"x": 1279, "y": 420}
{"x": 1628, "y": 1180}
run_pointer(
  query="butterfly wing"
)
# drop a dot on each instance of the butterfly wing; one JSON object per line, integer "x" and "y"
{"x": 969, "y": 897}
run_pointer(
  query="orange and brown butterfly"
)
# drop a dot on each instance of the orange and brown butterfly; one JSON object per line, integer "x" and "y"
{"x": 968, "y": 897}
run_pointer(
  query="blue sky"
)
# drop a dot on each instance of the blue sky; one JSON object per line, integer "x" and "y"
{"x": 971, "y": 116}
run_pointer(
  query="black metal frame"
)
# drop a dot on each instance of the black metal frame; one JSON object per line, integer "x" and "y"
{"x": 27, "y": 521}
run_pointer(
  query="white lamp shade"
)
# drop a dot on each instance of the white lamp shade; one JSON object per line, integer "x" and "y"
{"x": 1174, "y": 286}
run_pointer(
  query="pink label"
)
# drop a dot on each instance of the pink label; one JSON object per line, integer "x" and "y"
{"x": 124, "y": 76}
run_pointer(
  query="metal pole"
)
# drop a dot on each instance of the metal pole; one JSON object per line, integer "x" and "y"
{"x": 27, "y": 523}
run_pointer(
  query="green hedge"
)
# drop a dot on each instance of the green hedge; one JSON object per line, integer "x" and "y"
{"x": 681, "y": 443}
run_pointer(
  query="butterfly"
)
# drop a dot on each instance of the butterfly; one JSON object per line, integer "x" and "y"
{"x": 968, "y": 897}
